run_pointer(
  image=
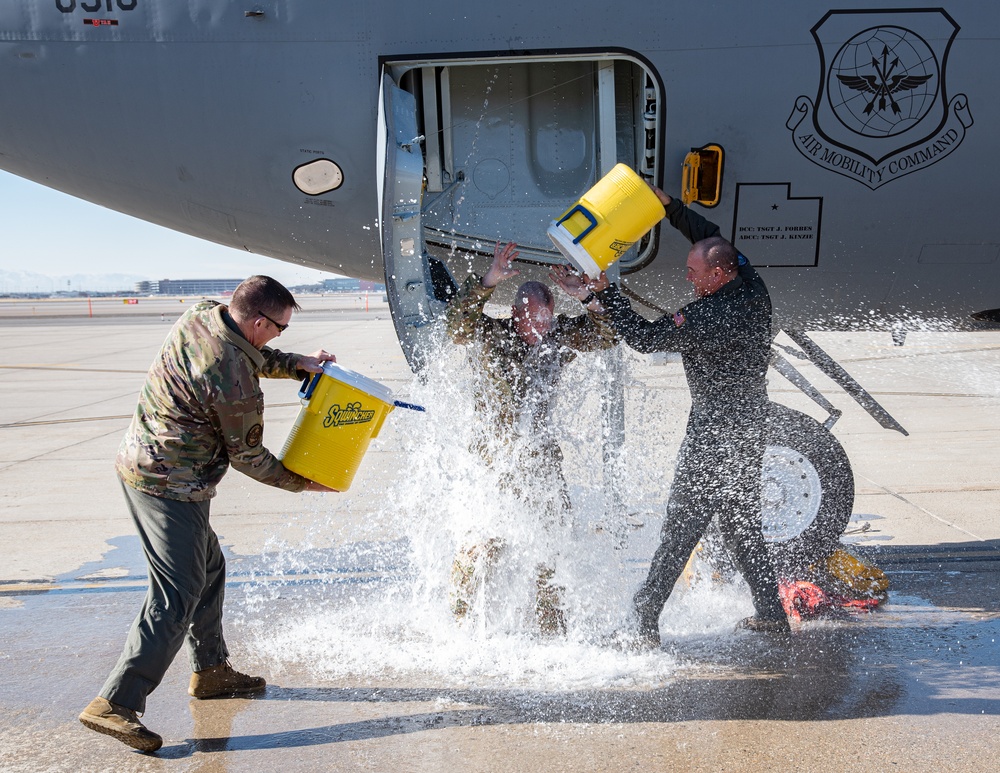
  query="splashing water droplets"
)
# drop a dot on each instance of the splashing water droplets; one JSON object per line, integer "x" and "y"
{"x": 384, "y": 610}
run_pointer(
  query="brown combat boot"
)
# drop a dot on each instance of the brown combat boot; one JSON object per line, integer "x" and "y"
{"x": 471, "y": 567}
{"x": 548, "y": 604}
{"x": 223, "y": 681}
{"x": 121, "y": 723}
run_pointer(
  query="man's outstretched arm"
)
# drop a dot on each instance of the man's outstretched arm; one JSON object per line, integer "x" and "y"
{"x": 690, "y": 223}
{"x": 465, "y": 313}
{"x": 666, "y": 334}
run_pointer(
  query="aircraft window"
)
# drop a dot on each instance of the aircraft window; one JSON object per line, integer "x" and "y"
{"x": 702, "y": 176}
{"x": 317, "y": 177}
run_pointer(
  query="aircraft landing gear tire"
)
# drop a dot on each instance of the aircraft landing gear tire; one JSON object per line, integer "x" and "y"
{"x": 807, "y": 490}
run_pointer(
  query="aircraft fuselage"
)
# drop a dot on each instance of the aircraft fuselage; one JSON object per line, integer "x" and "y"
{"x": 859, "y": 145}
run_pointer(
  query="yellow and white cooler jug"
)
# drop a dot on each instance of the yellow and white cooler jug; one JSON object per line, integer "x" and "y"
{"x": 607, "y": 220}
{"x": 341, "y": 412}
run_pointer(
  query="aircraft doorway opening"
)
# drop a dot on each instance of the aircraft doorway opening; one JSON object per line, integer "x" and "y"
{"x": 478, "y": 150}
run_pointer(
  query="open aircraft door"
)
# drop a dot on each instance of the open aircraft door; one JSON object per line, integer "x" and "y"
{"x": 478, "y": 150}
{"x": 475, "y": 150}
{"x": 400, "y": 187}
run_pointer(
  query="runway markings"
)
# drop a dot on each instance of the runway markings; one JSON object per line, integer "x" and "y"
{"x": 924, "y": 510}
{"x": 29, "y": 366}
{"x": 136, "y": 584}
{"x": 122, "y": 417}
{"x": 63, "y": 421}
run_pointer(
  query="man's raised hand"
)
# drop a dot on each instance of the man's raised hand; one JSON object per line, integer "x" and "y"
{"x": 502, "y": 267}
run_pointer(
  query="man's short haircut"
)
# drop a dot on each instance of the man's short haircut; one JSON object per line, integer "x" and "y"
{"x": 535, "y": 291}
{"x": 719, "y": 253}
{"x": 261, "y": 294}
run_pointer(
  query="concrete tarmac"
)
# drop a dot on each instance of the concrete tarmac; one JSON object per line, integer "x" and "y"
{"x": 914, "y": 686}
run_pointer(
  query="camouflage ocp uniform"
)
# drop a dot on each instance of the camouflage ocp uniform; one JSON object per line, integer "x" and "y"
{"x": 514, "y": 399}
{"x": 511, "y": 365}
{"x": 200, "y": 410}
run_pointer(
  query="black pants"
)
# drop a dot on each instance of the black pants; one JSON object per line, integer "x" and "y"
{"x": 718, "y": 474}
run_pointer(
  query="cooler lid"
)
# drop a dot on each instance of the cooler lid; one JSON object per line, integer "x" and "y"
{"x": 356, "y": 380}
{"x": 575, "y": 253}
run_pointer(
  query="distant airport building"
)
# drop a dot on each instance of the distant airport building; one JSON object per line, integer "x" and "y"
{"x": 347, "y": 285}
{"x": 187, "y": 287}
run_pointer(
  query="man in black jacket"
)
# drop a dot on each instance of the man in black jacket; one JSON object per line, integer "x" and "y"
{"x": 724, "y": 338}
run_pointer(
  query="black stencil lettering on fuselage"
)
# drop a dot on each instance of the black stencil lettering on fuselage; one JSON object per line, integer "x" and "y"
{"x": 96, "y": 6}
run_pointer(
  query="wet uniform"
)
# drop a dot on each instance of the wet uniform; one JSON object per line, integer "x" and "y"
{"x": 507, "y": 359}
{"x": 201, "y": 410}
{"x": 724, "y": 340}
{"x": 514, "y": 400}
{"x": 520, "y": 379}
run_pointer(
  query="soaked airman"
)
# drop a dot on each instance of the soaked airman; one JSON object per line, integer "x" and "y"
{"x": 521, "y": 358}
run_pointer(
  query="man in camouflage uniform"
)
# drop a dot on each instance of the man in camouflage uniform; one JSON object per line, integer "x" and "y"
{"x": 200, "y": 411}
{"x": 521, "y": 358}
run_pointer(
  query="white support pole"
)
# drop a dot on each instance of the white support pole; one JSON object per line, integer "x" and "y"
{"x": 613, "y": 395}
{"x": 432, "y": 141}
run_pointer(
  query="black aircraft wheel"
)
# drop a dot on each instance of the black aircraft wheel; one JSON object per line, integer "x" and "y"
{"x": 807, "y": 489}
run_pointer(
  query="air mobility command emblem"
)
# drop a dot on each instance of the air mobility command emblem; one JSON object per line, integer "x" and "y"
{"x": 882, "y": 109}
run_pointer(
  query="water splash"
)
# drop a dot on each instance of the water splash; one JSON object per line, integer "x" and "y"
{"x": 385, "y": 611}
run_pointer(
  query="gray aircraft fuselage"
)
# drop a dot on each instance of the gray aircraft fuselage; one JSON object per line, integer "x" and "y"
{"x": 859, "y": 144}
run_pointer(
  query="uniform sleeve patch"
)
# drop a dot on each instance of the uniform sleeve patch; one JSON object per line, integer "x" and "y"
{"x": 678, "y": 319}
{"x": 255, "y": 435}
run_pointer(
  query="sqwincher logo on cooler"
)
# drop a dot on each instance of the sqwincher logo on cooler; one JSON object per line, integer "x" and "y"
{"x": 350, "y": 414}
{"x": 620, "y": 247}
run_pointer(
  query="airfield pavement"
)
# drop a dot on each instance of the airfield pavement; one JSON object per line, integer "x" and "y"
{"x": 914, "y": 686}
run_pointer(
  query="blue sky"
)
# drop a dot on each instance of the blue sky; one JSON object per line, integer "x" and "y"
{"x": 48, "y": 232}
